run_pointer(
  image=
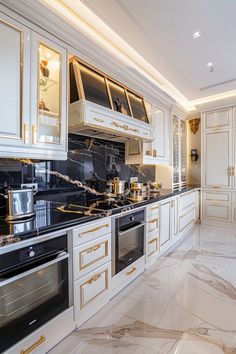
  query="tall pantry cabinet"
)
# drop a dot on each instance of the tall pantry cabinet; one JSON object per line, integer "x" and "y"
{"x": 218, "y": 165}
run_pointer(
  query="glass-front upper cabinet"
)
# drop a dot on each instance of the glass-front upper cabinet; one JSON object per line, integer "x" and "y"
{"x": 183, "y": 151}
{"x": 179, "y": 152}
{"x": 49, "y": 90}
{"x": 14, "y": 88}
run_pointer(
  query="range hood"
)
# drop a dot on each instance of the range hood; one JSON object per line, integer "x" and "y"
{"x": 100, "y": 107}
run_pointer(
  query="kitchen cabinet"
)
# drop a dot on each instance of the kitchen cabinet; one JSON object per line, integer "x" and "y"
{"x": 218, "y": 167}
{"x": 152, "y": 233}
{"x": 187, "y": 208}
{"x": 217, "y": 160}
{"x": 155, "y": 152}
{"x": 179, "y": 152}
{"x": 49, "y": 92}
{"x": 91, "y": 268}
{"x": 15, "y": 88}
{"x": 34, "y": 94}
{"x": 165, "y": 222}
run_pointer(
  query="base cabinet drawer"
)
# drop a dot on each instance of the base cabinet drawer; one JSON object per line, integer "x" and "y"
{"x": 152, "y": 209}
{"x": 90, "y": 256}
{"x": 219, "y": 212}
{"x": 91, "y": 231}
{"x": 152, "y": 223}
{"x": 126, "y": 276}
{"x": 153, "y": 246}
{"x": 47, "y": 336}
{"x": 186, "y": 219}
{"x": 186, "y": 201}
{"x": 91, "y": 293}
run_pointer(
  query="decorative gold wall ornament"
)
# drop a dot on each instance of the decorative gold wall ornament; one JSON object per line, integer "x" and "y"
{"x": 194, "y": 125}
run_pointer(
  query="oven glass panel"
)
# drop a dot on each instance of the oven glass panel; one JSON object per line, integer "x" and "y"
{"x": 130, "y": 244}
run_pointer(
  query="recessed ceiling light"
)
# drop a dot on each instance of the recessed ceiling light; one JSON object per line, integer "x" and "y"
{"x": 209, "y": 64}
{"x": 196, "y": 34}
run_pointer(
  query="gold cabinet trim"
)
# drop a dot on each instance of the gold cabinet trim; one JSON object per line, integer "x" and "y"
{"x": 156, "y": 239}
{"x": 89, "y": 282}
{"x": 90, "y": 250}
{"x": 125, "y": 127}
{"x": 41, "y": 340}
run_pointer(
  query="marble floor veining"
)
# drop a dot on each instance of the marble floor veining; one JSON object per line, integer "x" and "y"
{"x": 184, "y": 304}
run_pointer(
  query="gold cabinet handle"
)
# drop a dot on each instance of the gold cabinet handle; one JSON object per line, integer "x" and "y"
{"x": 34, "y": 134}
{"x": 93, "y": 249}
{"x": 41, "y": 340}
{"x": 153, "y": 221}
{"x": 131, "y": 271}
{"x": 154, "y": 208}
{"x": 153, "y": 240}
{"x": 125, "y": 127}
{"x": 26, "y": 133}
{"x": 94, "y": 229}
{"x": 217, "y": 187}
{"x": 94, "y": 278}
{"x": 154, "y": 153}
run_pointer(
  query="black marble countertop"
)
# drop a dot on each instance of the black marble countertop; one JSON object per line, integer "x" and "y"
{"x": 53, "y": 215}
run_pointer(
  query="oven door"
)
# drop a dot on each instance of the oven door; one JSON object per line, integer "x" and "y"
{"x": 32, "y": 297}
{"x": 129, "y": 246}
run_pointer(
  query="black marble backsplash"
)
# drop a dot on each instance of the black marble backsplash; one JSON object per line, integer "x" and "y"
{"x": 90, "y": 161}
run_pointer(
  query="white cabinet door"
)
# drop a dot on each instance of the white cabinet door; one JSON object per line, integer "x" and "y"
{"x": 219, "y": 119}
{"x": 14, "y": 89}
{"x": 49, "y": 95}
{"x": 165, "y": 227}
{"x": 217, "y": 159}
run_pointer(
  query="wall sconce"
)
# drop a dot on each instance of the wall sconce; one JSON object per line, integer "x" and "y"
{"x": 194, "y": 125}
{"x": 194, "y": 155}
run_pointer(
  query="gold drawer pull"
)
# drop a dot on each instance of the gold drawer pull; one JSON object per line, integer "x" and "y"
{"x": 94, "y": 229}
{"x": 152, "y": 241}
{"x": 41, "y": 340}
{"x": 131, "y": 271}
{"x": 94, "y": 278}
{"x": 94, "y": 248}
{"x": 153, "y": 221}
{"x": 154, "y": 208}
{"x": 216, "y": 187}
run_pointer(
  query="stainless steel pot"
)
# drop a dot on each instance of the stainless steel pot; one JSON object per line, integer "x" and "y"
{"x": 117, "y": 186}
{"x": 20, "y": 203}
{"x": 136, "y": 186}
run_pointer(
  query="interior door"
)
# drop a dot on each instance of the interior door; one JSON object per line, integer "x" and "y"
{"x": 217, "y": 159}
{"x": 165, "y": 227}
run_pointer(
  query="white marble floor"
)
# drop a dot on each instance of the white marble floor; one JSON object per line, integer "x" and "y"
{"x": 184, "y": 304}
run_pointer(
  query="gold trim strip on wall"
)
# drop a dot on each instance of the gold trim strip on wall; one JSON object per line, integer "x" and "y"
{"x": 94, "y": 229}
{"x": 41, "y": 340}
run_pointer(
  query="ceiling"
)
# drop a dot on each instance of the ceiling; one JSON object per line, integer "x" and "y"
{"x": 161, "y": 31}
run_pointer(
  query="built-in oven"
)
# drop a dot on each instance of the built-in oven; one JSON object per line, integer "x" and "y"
{"x": 128, "y": 240}
{"x": 33, "y": 288}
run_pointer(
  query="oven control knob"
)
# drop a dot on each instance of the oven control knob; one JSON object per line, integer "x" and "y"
{"x": 31, "y": 252}
{"x": 132, "y": 218}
